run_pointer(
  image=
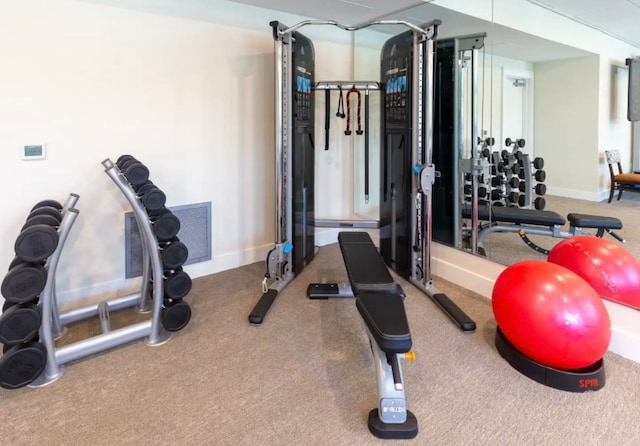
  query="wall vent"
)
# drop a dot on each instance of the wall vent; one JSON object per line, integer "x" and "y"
{"x": 195, "y": 233}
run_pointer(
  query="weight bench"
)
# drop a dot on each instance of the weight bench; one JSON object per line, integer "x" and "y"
{"x": 379, "y": 301}
{"x": 547, "y": 223}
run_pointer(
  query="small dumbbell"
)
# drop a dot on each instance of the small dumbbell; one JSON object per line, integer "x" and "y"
{"x": 173, "y": 253}
{"x": 538, "y": 162}
{"x": 165, "y": 223}
{"x": 517, "y": 142}
{"x": 540, "y": 176}
{"x": 177, "y": 283}
{"x": 540, "y": 203}
{"x": 176, "y": 314}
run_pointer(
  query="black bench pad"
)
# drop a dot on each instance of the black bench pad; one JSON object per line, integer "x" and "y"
{"x": 516, "y": 215}
{"x": 365, "y": 266}
{"x": 594, "y": 221}
{"x": 386, "y": 318}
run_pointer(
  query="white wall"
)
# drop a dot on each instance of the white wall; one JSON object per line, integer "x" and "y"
{"x": 566, "y": 125}
{"x": 192, "y": 99}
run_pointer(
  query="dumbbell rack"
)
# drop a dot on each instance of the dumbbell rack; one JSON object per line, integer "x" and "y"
{"x": 53, "y": 323}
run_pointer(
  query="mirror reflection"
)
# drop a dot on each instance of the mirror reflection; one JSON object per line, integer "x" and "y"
{"x": 522, "y": 131}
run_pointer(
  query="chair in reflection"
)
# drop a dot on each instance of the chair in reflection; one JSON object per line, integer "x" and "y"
{"x": 620, "y": 181}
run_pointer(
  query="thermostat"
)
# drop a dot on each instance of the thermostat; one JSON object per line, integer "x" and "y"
{"x": 33, "y": 152}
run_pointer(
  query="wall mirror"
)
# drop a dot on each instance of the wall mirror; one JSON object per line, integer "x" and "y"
{"x": 535, "y": 98}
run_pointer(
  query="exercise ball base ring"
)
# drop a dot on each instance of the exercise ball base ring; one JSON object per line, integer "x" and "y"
{"x": 587, "y": 379}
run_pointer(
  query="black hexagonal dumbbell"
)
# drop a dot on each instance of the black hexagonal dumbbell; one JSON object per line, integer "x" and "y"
{"x": 38, "y": 238}
{"x": 24, "y": 282}
{"x": 21, "y": 364}
{"x": 19, "y": 323}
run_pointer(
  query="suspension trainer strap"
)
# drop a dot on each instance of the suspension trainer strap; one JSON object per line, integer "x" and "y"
{"x": 340, "y": 112}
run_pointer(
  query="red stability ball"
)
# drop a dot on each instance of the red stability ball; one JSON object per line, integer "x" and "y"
{"x": 609, "y": 268}
{"x": 551, "y": 315}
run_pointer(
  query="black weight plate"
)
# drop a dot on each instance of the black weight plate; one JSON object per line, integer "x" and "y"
{"x": 20, "y": 323}
{"x": 46, "y": 210}
{"x": 176, "y": 316}
{"x": 153, "y": 199}
{"x": 177, "y": 285}
{"x": 140, "y": 188}
{"x": 136, "y": 173}
{"x": 174, "y": 255}
{"x": 123, "y": 159}
{"x": 7, "y": 305}
{"x": 41, "y": 220}
{"x": 22, "y": 364}
{"x": 36, "y": 243}
{"x": 24, "y": 283}
{"x": 49, "y": 203}
{"x": 166, "y": 226}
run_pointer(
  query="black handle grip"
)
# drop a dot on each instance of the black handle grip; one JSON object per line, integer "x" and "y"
{"x": 464, "y": 322}
{"x": 261, "y": 309}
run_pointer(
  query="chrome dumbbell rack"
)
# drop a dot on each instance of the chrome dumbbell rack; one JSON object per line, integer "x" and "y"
{"x": 54, "y": 323}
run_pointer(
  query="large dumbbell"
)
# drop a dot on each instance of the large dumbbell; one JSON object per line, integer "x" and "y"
{"x": 482, "y": 191}
{"x": 497, "y": 194}
{"x": 176, "y": 314}
{"x": 177, "y": 283}
{"x": 22, "y": 364}
{"x": 173, "y": 253}
{"x": 151, "y": 197}
{"x": 133, "y": 170}
{"x": 24, "y": 282}
{"x": 46, "y": 210}
{"x": 165, "y": 223}
{"x": 19, "y": 323}
{"x": 38, "y": 238}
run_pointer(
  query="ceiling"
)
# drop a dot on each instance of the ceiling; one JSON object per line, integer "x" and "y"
{"x": 617, "y": 18}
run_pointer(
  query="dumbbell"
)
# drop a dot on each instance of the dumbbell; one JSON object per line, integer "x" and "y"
{"x": 22, "y": 364}
{"x": 133, "y": 170}
{"x": 173, "y": 253}
{"x": 151, "y": 197}
{"x": 38, "y": 238}
{"x": 176, "y": 314}
{"x": 517, "y": 142}
{"x": 482, "y": 191}
{"x": 24, "y": 282}
{"x": 46, "y": 210}
{"x": 513, "y": 182}
{"x": 497, "y": 180}
{"x": 497, "y": 194}
{"x": 176, "y": 283}
{"x": 540, "y": 203}
{"x": 47, "y": 203}
{"x": 538, "y": 162}
{"x": 539, "y": 189}
{"x": 540, "y": 176}
{"x": 165, "y": 223}
{"x": 20, "y": 323}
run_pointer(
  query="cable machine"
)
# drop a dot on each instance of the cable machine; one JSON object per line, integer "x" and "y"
{"x": 407, "y": 171}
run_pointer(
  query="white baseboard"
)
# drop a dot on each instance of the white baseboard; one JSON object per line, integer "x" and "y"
{"x": 577, "y": 194}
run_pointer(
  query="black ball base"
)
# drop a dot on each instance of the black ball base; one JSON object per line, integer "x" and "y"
{"x": 590, "y": 378}
{"x": 392, "y": 431}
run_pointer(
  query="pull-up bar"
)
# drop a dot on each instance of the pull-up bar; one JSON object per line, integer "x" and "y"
{"x": 428, "y": 29}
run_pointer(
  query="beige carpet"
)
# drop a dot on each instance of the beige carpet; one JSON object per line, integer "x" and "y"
{"x": 306, "y": 378}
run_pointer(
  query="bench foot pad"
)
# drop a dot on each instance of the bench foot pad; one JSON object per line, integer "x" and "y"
{"x": 401, "y": 431}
